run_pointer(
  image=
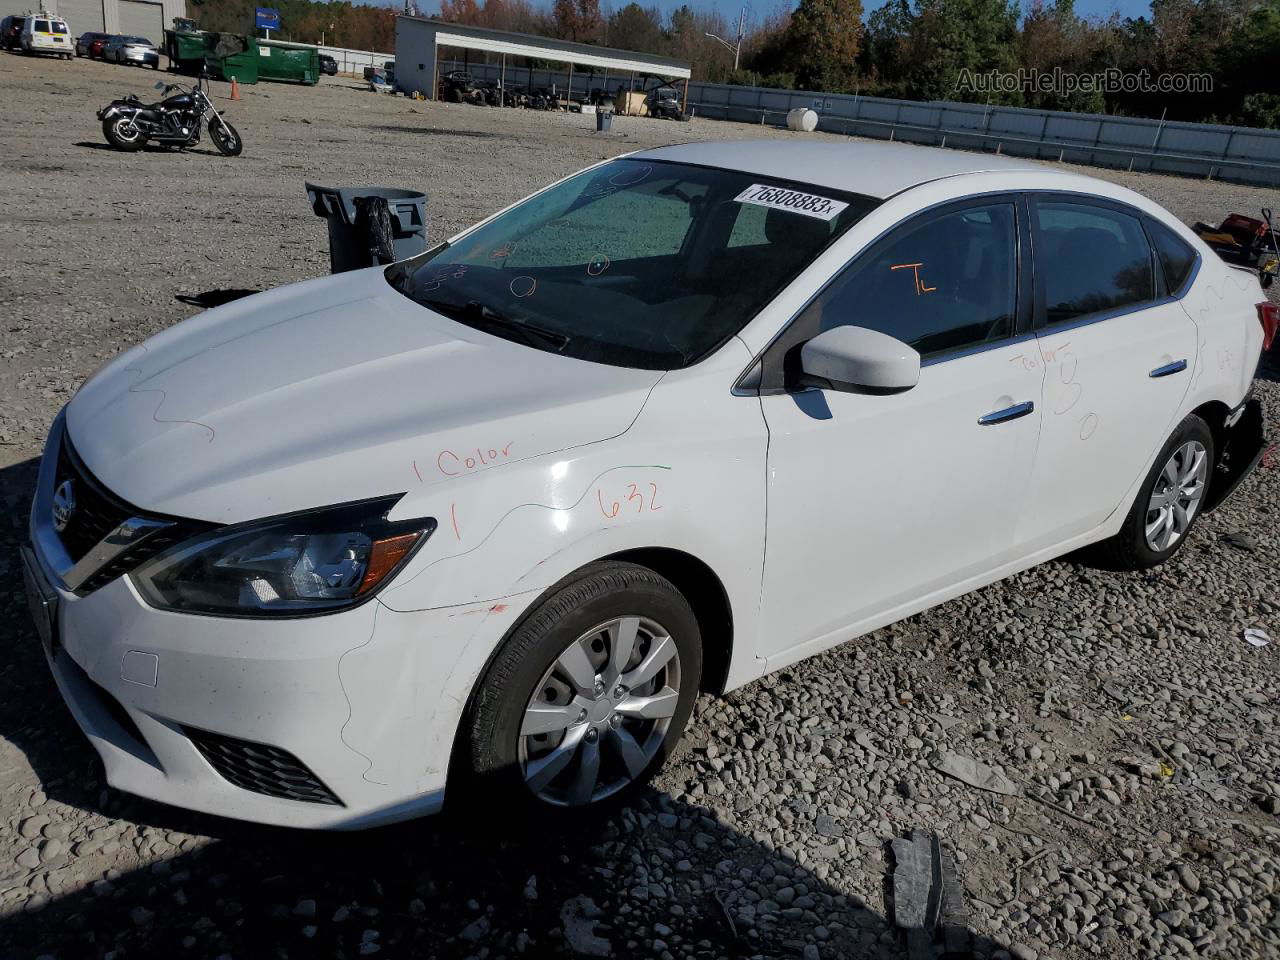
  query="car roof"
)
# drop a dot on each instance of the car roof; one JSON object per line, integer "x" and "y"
{"x": 872, "y": 169}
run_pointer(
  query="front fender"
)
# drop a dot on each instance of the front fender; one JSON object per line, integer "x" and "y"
{"x": 689, "y": 476}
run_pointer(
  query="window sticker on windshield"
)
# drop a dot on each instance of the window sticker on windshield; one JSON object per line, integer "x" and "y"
{"x": 780, "y": 198}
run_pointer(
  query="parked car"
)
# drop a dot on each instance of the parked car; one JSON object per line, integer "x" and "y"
{"x": 90, "y": 44}
{"x": 11, "y": 32}
{"x": 138, "y": 51}
{"x": 328, "y": 65}
{"x": 45, "y": 33}
{"x": 672, "y": 423}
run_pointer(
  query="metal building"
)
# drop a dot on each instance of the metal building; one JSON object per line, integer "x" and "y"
{"x": 135, "y": 18}
{"x": 419, "y": 39}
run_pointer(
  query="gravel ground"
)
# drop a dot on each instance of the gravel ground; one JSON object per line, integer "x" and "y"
{"x": 1132, "y": 720}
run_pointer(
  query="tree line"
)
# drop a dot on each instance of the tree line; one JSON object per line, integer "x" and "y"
{"x": 912, "y": 49}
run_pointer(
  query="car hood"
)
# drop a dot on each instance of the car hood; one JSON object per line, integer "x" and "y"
{"x": 330, "y": 391}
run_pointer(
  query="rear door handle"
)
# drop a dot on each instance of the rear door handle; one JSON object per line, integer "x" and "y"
{"x": 1007, "y": 414}
{"x": 1169, "y": 369}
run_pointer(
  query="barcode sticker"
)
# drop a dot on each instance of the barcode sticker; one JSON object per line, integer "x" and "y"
{"x": 780, "y": 198}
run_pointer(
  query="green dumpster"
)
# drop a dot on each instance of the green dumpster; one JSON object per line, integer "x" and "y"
{"x": 290, "y": 62}
{"x": 230, "y": 56}
{"x": 186, "y": 49}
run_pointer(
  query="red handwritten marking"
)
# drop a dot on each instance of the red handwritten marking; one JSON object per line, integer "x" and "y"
{"x": 417, "y": 471}
{"x": 447, "y": 458}
{"x": 453, "y": 513}
{"x": 498, "y": 608}
{"x": 915, "y": 267}
{"x": 633, "y": 495}
{"x": 616, "y": 506}
{"x": 504, "y": 251}
{"x": 532, "y": 287}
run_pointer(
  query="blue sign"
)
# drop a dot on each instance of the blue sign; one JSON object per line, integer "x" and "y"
{"x": 267, "y": 18}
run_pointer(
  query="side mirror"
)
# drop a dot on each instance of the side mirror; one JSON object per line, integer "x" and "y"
{"x": 858, "y": 360}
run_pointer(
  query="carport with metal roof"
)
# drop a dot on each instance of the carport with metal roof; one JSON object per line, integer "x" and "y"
{"x": 419, "y": 39}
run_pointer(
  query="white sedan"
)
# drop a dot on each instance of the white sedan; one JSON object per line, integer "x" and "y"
{"x": 490, "y": 518}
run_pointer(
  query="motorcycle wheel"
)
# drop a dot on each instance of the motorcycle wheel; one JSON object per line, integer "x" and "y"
{"x": 122, "y": 136}
{"x": 225, "y": 138}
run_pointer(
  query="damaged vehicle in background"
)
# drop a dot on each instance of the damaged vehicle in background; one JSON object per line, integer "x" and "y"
{"x": 481, "y": 525}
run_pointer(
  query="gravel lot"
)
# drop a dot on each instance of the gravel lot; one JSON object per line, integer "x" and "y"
{"x": 1138, "y": 725}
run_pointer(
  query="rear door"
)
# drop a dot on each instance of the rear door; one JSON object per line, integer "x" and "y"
{"x": 1118, "y": 354}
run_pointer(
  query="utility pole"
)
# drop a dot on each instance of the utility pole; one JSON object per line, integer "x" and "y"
{"x": 735, "y": 47}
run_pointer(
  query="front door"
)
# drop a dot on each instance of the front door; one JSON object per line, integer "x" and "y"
{"x": 877, "y": 503}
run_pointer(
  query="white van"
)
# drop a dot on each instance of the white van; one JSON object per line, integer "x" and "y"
{"x": 47, "y": 33}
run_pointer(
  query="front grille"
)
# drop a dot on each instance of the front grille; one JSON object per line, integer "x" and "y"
{"x": 96, "y": 511}
{"x": 261, "y": 768}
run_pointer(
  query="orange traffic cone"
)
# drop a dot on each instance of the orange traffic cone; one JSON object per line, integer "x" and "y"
{"x": 235, "y": 89}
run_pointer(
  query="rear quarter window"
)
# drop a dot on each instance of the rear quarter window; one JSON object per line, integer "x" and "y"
{"x": 1176, "y": 257}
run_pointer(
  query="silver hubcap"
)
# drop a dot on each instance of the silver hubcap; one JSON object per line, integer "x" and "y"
{"x": 126, "y": 130}
{"x": 1176, "y": 495}
{"x": 600, "y": 713}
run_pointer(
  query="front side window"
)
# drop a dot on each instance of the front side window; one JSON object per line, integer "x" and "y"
{"x": 635, "y": 263}
{"x": 1091, "y": 259}
{"x": 940, "y": 283}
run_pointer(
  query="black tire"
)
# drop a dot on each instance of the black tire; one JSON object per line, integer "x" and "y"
{"x": 489, "y": 764}
{"x": 225, "y": 137}
{"x": 1129, "y": 549}
{"x": 120, "y": 139}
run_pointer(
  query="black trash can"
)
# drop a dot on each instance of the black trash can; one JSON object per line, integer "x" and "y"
{"x": 370, "y": 225}
{"x": 604, "y": 121}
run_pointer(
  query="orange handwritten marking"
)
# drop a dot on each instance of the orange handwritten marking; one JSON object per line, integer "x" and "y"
{"x": 453, "y": 513}
{"x": 447, "y": 458}
{"x": 915, "y": 267}
{"x": 616, "y": 506}
{"x": 633, "y": 495}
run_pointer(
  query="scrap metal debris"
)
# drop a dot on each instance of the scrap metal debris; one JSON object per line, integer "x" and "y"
{"x": 976, "y": 774}
{"x": 927, "y": 897}
{"x": 1256, "y": 637}
{"x": 578, "y": 916}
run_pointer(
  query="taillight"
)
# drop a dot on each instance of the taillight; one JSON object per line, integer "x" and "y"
{"x": 1269, "y": 317}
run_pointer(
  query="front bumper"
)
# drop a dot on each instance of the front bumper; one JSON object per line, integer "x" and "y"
{"x": 337, "y": 694}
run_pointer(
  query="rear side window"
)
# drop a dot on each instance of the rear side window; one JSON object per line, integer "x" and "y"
{"x": 943, "y": 284}
{"x": 1090, "y": 259}
{"x": 59, "y": 27}
{"x": 40, "y": 26}
{"x": 1176, "y": 256}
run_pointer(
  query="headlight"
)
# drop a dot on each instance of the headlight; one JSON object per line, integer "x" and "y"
{"x": 288, "y": 566}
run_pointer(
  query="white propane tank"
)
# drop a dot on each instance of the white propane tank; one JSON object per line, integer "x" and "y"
{"x": 802, "y": 119}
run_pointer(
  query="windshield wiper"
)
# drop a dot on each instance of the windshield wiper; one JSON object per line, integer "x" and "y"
{"x": 476, "y": 314}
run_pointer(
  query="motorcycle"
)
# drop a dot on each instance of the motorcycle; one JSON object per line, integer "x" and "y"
{"x": 129, "y": 123}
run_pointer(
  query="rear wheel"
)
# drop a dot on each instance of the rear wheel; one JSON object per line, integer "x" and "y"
{"x": 586, "y": 698}
{"x": 225, "y": 138}
{"x": 122, "y": 134}
{"x": 1168, "y": 503}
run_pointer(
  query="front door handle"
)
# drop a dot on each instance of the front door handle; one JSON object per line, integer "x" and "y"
{"x": 1169, "y": 369}
{"x": 1007, "y": 414}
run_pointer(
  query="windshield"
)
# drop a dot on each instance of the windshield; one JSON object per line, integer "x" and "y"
{"x": 635, "y": 263}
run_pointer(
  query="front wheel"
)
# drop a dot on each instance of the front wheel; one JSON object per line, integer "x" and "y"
{"x": 122, "y": 134}
{"x": 225, "y": 138}
{"x": 587, "y": 697}
{"x": 1168, "y": 502}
